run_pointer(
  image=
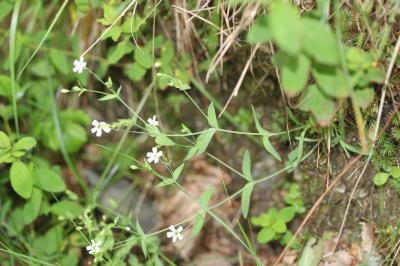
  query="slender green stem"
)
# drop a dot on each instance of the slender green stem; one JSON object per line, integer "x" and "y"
{"x": 13, "y": 31}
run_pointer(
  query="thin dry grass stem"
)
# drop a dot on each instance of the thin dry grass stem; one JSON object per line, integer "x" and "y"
{"x": 396, "y": 253}
{"x": 241, "y": 78}
{"x": 247, "y": 17}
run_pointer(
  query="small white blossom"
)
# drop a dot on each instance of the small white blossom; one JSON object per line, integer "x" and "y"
{"x": 175, "y": 233}
{"x": 79, "y": 65}
{"x": 154, "y": 155}
{"x": 128, "y": 229}
{"x": 153, "y": 121}
{"x": 94, "y": 247}
{"x": 98, "y": 127}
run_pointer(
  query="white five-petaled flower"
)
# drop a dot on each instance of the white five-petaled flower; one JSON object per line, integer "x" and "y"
{"x": 79, "y": 65}
{"x": 154, "y": 155}
{"x": 98, "y": 127}
{"x": 175, "y": 233}
{"x": 94, "y": 247}
{"x": 153, "y": 121}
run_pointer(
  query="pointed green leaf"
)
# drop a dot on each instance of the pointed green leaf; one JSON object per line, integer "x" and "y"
{"x": 177, "y": 172}
{"x": 21, "y": 179}
{"x": 166, "y": 182}
{"x": 246, "y": 197}
{"x": 203, "y": 140}
{"x": 164, "y": 140}
{"x": 205, "y": 197}
{"x": 108, "y": 97}
{"x": 331, "y": 80}
{"x": 246, "y": 166}
{"x": 211, "y": 116}
{"x": 260, "y": 129}
{"x": 67, "y": 208}
{"x": 259, "y": 31}
{"x": 198, "y": 224}
{"x": 268, "y": 146}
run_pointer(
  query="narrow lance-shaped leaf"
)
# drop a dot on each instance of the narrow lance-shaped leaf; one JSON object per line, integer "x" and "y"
{"x": 246, "y": 196}
{"x": 203, "y": 140}
{"x": 211, "y": 116}
{"x": 268, "y": 146}
{"x": 177, "y": 172}
{"x": 246, "y": 166}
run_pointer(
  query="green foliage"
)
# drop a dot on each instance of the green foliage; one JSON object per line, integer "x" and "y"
{"x": 308, "y": 46}
{"x": 274, "y": 222}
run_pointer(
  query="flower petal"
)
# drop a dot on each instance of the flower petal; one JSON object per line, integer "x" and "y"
{"x": 172, "y": 228}
{"x": 180, "y": 229}
{"x": 180, "y": 237}
{"x": 107, "y": 129}
{"x": 170, "y": 234}
{"x": 98, "y": 133}
{"x": 95, "y": 123}
{"x": 154, "y": 149}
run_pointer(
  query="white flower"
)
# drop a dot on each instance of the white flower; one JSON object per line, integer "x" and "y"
{"x": 94, "y": 247}
{"x": 175, "y": 233}
{"x": 98, "y": 127}
{"x": 153, "y": 121}
{"x": 154, "y": 156}
{"x": 128, "y": 228}
{"x": 79, "y": 65}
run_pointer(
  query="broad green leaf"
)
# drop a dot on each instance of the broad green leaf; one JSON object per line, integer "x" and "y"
{"x": 265, "y": 235}
{"x": 21, "y": 179}
{"x": 66, "y": 208}
{"x": 268, "y": 146}
{"x": 259, "y": 31}
{"x": 32, "y": 207}
{"x": 135, "y": 72}
{"x": 177, "y": 172}
{"x": 144, "y": 58}
{"x": 74, "y": 136}
{"x": 49, "y": 181}
{"x": 246, "y": 166}
{"x": 4, "y": 141}
{"x": 116, "y": 53}
{"x": 279, "y": 226}
{"x": 331, "y": 81}
{"x": 375, "y": 74}
{"x": 357, "y": 59}
{"x": 164, "y": 140}
{"x": 395, "y": 172}
{"x": 264, "y": 220}
{"x": 211, "y": 116}
{"x": 198, "y": 224}
{"x": 246, "y": 197}
{"x": 25, "y": 143}
{"x": 203, "y": 140}
{"x": 286, "y": 27}
{"x": 108, "y": 97}
{"x": 295, "y": 74}
{"x": 318, "y": 104}
{"x": 286, "y": 214}
{"x": 319, "y": 42}
{"x": 364, "y": 97}
{"x": 380, "y": 179}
